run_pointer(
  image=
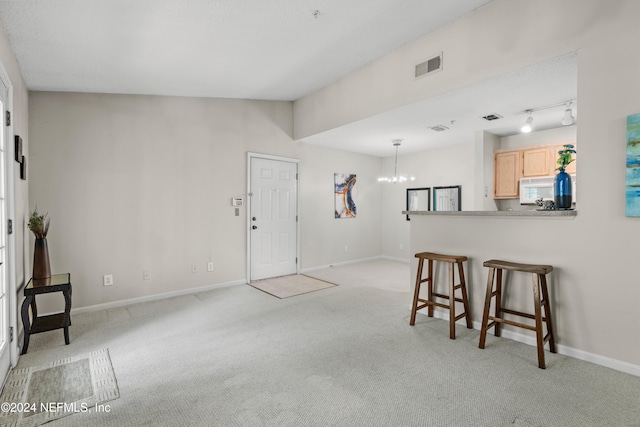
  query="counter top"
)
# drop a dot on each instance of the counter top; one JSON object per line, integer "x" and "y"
{"x": 522, "y": 213}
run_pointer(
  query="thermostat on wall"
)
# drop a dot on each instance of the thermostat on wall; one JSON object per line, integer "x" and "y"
{"x": 237, "y": 201}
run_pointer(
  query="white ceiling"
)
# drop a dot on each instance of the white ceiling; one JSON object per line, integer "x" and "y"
{"x": 261, "y": 49}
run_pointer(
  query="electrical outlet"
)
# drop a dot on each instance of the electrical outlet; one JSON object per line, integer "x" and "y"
{"x": 401, "y": 246}
{"x": 346, "y": 248}
{"x": 210, "y": 266}
{"x": 194, "y": 269}
{"x": 146, "y": 275}
{"x": 107, "y": 280}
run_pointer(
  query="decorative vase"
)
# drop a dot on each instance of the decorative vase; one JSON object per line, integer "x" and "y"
{"x": 562, "y": 190}
{"x": 41, "y": 267}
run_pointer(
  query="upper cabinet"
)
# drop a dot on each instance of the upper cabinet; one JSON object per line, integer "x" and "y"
{"x": 512, "y": 164}
{"x": 506, "y": 170}
{"x": 536, "y": 161}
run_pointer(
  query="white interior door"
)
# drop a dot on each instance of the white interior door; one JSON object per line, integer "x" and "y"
{"x": 5, "y": 353}
{"x": 273, "y": 192}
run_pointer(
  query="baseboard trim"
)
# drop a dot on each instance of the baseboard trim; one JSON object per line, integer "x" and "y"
{"x": 390, "y": 258}
{"x": 618, "y": 365}
{"x": 354, "y": 261}
{"x": 155, "y": 297}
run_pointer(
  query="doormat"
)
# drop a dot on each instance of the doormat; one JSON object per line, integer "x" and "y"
{"x": 37, "y": 395}
{"x": 289, "y": 286}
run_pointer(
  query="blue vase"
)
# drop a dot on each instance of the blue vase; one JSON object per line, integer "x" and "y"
{"x": 562, "y": 190}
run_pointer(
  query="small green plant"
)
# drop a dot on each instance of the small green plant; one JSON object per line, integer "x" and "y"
{"x": 39, "y": 224}
{"x": 566, "y": 156}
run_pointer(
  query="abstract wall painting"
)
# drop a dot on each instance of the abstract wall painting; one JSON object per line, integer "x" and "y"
{"x": 344, "y": 187}
{"x": 633, "y": 166}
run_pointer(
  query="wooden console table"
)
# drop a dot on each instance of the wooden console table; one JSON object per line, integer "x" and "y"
{"x": 56, "y": 283}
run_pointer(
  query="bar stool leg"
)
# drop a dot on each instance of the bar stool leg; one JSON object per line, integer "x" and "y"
{"x": 547, "y": 314}
{"x": 487, "y": 307}
{"x": 538, "y": 319}
{"x": 452, "y": 303}
{"x": 416, "y": 293}
{"x": 430, "y": 287}
{"x": 465, "y": 299}
{"x": 498, "y": 313}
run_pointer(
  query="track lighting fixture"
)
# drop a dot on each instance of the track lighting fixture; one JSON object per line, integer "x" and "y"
{"x": 568, "y": 118}
{"x": 528, "y": 125}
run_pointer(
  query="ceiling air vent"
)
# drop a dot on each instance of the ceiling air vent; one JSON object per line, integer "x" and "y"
{"x": 491, "y": 117}
{"x": 439, "y": 128}
{"x": 429, "y": 66}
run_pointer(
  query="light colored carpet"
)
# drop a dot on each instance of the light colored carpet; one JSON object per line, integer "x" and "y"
{"x": 289, "y": 286}
{"x": 345, "y": 356}
{"x": 36, "y": 395}
{"x": 382, "y": 274}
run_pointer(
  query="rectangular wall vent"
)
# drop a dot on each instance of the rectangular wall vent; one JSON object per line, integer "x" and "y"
{"x": 491, "y": 117}
{"x": 429, "y": 66}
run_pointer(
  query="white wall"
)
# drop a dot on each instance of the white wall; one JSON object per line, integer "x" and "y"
{"x": 323, "y": 236}
{"x": 441, "y": 167}
{"x": 135, "y": 183}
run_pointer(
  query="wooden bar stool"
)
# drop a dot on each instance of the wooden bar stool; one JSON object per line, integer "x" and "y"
{"x": 432, "y": 295}
{"x": 539, "y": 285}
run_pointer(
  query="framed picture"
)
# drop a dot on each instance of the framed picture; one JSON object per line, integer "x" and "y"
{"x": 23, "y": 168}
{"x": 18, "y": 150}
{"x": 344, "y": 189}
{"x": 447, "y": 198}
{"x": 418, "y": 199}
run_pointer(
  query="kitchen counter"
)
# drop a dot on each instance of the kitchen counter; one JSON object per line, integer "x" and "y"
{"x": 522, "y": 213}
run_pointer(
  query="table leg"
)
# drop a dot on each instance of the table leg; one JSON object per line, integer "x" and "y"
{"x": 25, "y": 321}
{"x": 67, "y": 314}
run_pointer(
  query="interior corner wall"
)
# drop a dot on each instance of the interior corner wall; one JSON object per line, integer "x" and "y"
{"x": 326, "y": 240}
{"x": 144, "y": 183}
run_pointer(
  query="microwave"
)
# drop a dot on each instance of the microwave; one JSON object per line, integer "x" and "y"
{"x": 532, "y": 189}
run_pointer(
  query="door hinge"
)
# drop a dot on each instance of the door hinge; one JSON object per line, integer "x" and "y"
{"x": 296, "y": 176}
{"x": 11, "y": 334}
{"x": 10, "y": 227}
{"x": 8, "y": 121}
{"x": 296, "y": 260}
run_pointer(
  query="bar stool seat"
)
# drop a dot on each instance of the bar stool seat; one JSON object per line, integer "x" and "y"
{"x": 431, "y": 302}
{"x": 539, "y": 272}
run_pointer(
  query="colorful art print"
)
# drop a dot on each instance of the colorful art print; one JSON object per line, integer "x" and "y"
{"x": 633, "y": 166}
{"x": 344, "y": 186}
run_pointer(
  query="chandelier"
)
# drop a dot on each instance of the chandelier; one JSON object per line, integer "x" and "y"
{"x": 395, "y": 178}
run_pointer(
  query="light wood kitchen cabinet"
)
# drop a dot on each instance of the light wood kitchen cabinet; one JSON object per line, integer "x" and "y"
{"x": 506, "y": 183}
{"x": 571, "y": 169}
{"x": 512, "y": 164}
{"x": 536, "y": 161}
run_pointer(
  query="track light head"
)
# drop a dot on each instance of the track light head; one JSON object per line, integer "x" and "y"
{"x": 528, "y": 125}
{"x": 568, "y": 118}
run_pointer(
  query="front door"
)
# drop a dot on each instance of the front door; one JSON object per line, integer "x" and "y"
{"x": 273, "y": 216}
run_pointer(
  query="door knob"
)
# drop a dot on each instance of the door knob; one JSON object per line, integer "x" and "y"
{"x": 254, "y": 227}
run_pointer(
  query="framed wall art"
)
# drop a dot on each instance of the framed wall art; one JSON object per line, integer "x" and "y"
{"x": 447, "y": 198}
{"x": 344, "y": 189}
{"x": 418, "y": 199}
